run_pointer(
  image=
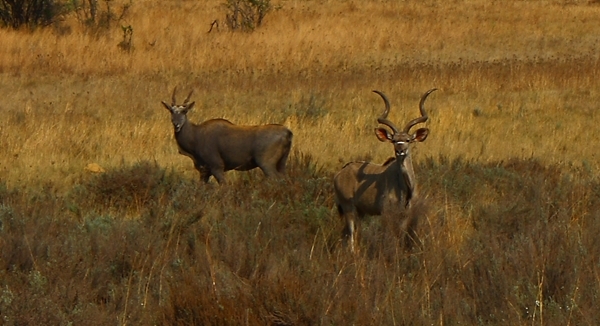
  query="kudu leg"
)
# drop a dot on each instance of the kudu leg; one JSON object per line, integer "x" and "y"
{"x": 351, "y": 229}
{"x": 204, "y": 172}
{"x": 349, "y": 233}
{"x": 269, "y": 167}
{"x": 219, "y": 174}
{"x": 411, "y": 238}
{"x": 204, "y": 176}
{"x": 282, "y": 162}
{"x": 271, "y": 172}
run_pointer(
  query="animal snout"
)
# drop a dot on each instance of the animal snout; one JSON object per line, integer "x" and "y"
{"x": 401, "y": 153}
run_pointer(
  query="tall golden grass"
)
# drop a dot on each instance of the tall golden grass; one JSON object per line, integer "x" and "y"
{"x": 507, "y": 176}
{"x": 518, "y": 79}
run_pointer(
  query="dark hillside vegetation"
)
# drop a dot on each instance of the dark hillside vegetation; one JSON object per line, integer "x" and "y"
{"x": 506, "y": 243}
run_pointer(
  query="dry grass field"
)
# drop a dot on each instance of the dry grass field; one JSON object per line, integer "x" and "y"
{"x": 508, "y": 175}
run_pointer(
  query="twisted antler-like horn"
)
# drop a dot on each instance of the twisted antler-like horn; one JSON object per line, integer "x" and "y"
{"x": 173, "y": 97}
{"x": 383, "y": 118}
{"x": 423, "y": 116}
{"x": 188, "y": 97}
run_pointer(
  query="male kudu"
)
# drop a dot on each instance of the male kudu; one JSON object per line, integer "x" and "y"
{"x": 363, "y": 188}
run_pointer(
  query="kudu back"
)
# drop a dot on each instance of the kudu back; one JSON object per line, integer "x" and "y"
{"x": 363, "y": 188}
{"x": 217, "y": 145}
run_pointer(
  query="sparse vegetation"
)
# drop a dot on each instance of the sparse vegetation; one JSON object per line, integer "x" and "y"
{"x": 100, "y": 15}
{"x": 29, "y": 13}
{"x": 246, "y": 15}
{"x": 508, "y": 175}
{"x": 94, "y": 14}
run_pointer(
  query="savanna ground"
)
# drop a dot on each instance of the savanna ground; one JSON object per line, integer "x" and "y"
{"x": 510, "y": 198}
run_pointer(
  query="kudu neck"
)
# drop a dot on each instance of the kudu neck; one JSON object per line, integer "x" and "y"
{"x": 406, "y": 172}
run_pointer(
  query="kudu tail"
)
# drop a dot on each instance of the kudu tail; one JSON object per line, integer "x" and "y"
{"x": 285, "y": 152}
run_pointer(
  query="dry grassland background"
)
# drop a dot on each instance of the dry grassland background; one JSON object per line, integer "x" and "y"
{"x": 517, "y": 80}
{"x": 509, "y": 170}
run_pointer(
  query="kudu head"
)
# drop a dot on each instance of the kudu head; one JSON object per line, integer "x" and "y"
{"x": 402, "y": 139}
{"x": 178, "y": 112}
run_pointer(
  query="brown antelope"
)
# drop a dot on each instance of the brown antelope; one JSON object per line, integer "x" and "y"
{"x": 217, "y": 145}
{"x": 363, "y": 188}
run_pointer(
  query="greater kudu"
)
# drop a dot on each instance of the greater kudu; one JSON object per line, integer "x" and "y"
{"x": 217, "y": 145}
{"x": 363, "y": 188}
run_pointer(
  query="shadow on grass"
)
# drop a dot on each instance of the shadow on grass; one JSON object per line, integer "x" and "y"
{"x": 508, "y": 243}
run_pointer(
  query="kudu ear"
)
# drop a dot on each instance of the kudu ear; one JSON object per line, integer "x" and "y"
{"x": 421, "y": 134}
{"x": 382, "y": 134}
{"x": 189, "y": 106}
{"x": 166, "y": 105}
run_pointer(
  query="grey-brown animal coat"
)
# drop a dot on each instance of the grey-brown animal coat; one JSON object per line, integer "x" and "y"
{"x": 217, "y": 145}
{"x": 363, "y": 188}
